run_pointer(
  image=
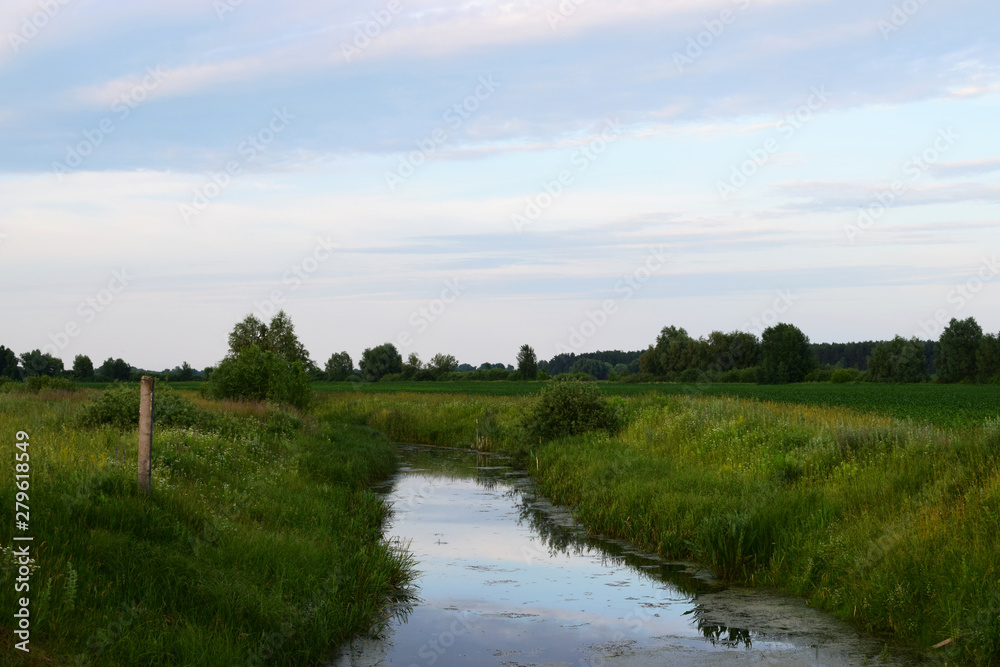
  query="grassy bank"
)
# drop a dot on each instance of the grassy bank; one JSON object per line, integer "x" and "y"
{"x": 258, "y": 546}
{"x": 889, "y": 523}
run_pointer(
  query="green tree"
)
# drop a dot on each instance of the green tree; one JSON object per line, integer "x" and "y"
{"x": 786, "y": 355}
{"x": 674, "y": 350}
{"x": 898, "y": 360}
{"x": 377, "y": 362}
{"x": 254, "y": 374}
{"x": 957, "y": 349}
{"x": 339, "y": 367}
{"x": 83, "y": 367}
{"x": 599, "y": 369}
{"x": 442, "y": 363}
{"x": 114, "y": 369}
{"x": 185, "y": 373}
{"x": 988, "y": 359}
{"x": 36, "y": 363}
{"x": 527, "y": 363}
{"x": 412, "y": 366}
{"x": 8, "y": 363}
{"x": 278, "y": 337}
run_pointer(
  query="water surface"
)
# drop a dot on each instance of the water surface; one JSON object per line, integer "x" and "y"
{"x": 505, "y": 578}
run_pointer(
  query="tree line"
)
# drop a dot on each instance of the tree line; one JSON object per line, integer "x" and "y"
{"x": 783, "y": 353}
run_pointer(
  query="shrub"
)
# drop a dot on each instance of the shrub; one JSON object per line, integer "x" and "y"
{"x": 842, "y": 375}
{"x": 254, "y": 374}
{"x": 575, "y": 377}
{"x": 570, "y": 408}
{"x": 118, "y": 405}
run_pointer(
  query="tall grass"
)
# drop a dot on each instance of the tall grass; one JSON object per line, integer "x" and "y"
{"x": 889, "y": 523}
{"x": 259, "y": 544}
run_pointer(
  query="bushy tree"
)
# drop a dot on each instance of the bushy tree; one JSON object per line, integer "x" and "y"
{"x": 599, "y": 369}
{"x": 988, "y": 359}
{"x": 339, "y": 367}
{"x": 114, "y": 369}
{"x": 786, "y": 355}
{"x": 8, "y": 363}
{"x": 957, "y": 350}
{"x": 377, "y": 362}
{"x": 898, "y": 360}
{"x": 83, "y": 367}
{"x": 412, "y": 366}
{"x": 527, "y": 363}
{"x": 570, "y": 408}
{"x": 37, "y": 363}
{"x": 442, "y": 363}
{"x": 260, "y": 375}
{"x": 278, "y": 337}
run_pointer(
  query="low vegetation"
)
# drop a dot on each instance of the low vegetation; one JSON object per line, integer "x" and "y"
{"x": 889, "y": 523}
{"x": 259, "y": 544}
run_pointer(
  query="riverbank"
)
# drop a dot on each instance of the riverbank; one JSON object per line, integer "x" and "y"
{"x": 890, "y": 524}
{"x": 260, "y": 544}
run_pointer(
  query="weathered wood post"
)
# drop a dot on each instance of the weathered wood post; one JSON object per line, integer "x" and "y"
{"x": 145, "y": 433}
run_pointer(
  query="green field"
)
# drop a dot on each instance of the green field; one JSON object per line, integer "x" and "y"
{"x": 944, "y": 405}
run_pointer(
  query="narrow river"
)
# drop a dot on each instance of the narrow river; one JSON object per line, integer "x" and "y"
{"x": 507, "y": 579}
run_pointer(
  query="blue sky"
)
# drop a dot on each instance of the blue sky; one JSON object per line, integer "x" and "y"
{"x": 468, "y": 177}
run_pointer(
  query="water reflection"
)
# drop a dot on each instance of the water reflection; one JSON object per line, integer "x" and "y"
{"x": 506, "y": 578}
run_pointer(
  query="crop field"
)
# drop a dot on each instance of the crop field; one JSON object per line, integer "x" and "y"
{"x": 943, "y": 405}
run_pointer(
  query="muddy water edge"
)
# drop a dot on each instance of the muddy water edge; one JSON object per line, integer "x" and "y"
{"x": 506, "y": 578}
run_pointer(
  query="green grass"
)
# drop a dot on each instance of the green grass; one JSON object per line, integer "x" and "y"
{"x": 259, "y": 544}
{"x": 944, "y": 405}
{"x": 889, "y": 523}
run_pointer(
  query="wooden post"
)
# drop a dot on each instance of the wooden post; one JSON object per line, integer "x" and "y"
{"x": 145, "y": 433}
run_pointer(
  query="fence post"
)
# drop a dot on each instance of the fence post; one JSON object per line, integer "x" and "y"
{"x": 145, "y": 433}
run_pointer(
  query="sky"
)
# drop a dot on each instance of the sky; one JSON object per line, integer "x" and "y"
{"x": 468, "y": 177}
